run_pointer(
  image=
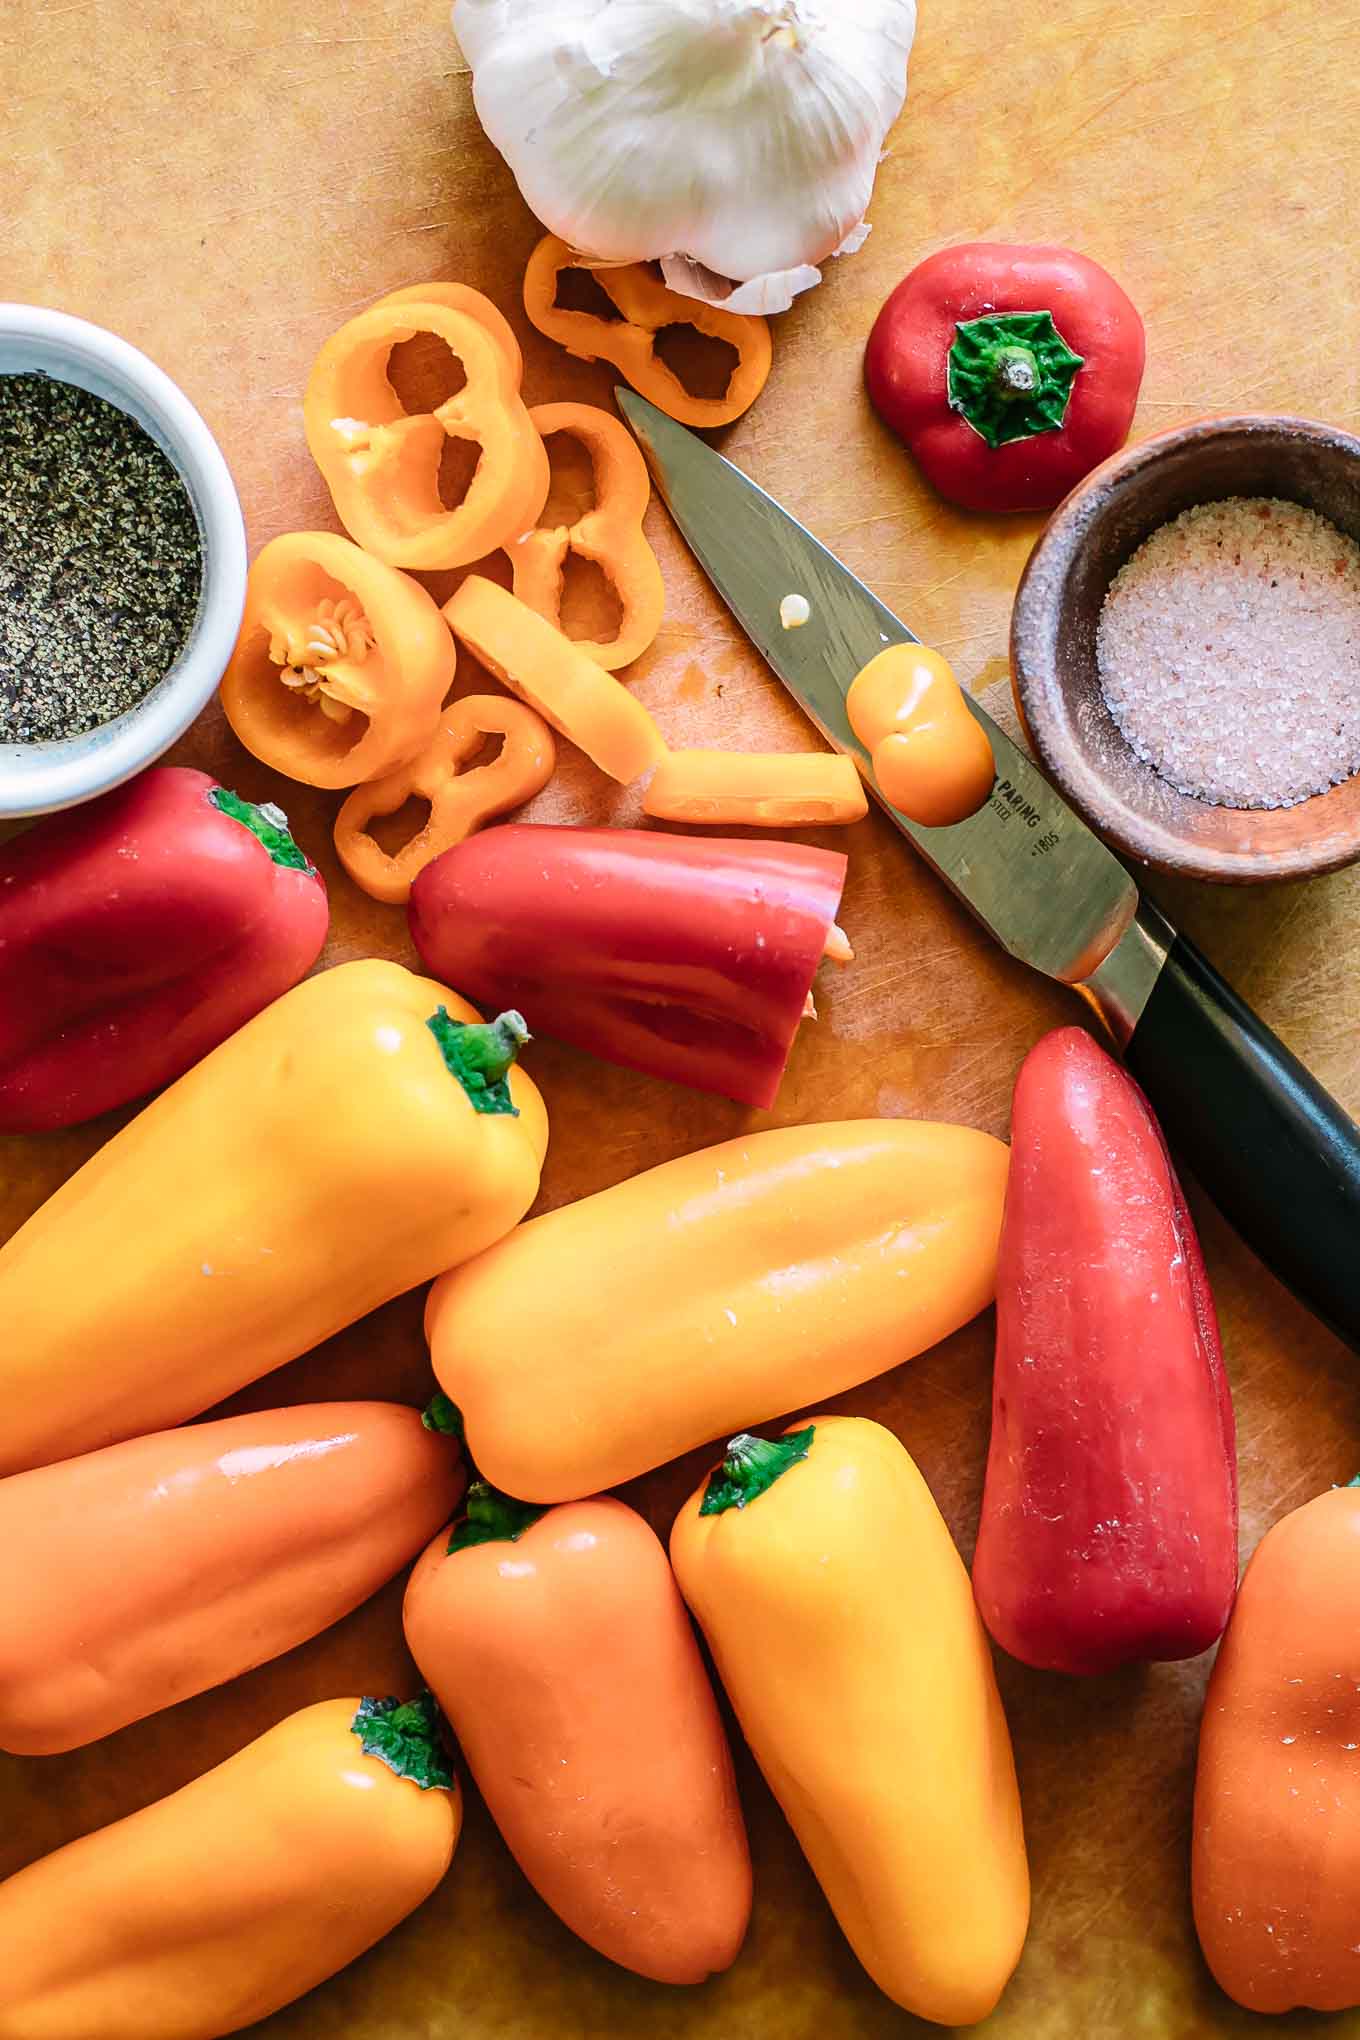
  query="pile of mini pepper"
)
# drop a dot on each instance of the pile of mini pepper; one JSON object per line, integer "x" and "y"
{"x": 321, "y": 1144}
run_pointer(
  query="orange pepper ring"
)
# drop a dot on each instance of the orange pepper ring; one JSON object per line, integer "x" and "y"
{"x": 461, "y": 297}
{"x": 458, "y": 800}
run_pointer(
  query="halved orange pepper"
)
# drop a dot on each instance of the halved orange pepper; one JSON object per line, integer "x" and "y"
{"x": 341, "y": 665}
{"x": 646, "y": 306}
{"x": 381, "y": 462}
{"x": 761, "y": 790}
{"x": 929, "y": 753}
{"x": 590, "y": 708}
{"x": 610, "y": 533}
{"x": 459, "y": 801}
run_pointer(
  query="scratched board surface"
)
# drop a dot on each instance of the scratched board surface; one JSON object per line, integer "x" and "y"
{"x": 223, "y": 186}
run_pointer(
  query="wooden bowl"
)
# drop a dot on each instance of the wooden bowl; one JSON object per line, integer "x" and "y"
{"x": 1053, "y": 646}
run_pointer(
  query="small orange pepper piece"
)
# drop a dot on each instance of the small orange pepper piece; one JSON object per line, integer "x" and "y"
{"x": 589, "y": 707}
{"x": 341, "y": 665}
{"x": 610, "y": 533}
{"x": 930, "y": 755}
{"x": 763, "y": 790}
{"x": 461, "y": 297}
{"x": 381, "y": 463}
{"x": 646, "y": 306}
{"x": 459, "y": 801}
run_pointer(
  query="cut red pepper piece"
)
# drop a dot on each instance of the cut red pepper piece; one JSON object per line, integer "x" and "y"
{"x": 1109, "y": 1516}
{"x": 689, "y": 958}
{"x": 136, "y": 933}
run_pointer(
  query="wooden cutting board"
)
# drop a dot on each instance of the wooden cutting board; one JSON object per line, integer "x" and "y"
{"x": 223, "y": 186}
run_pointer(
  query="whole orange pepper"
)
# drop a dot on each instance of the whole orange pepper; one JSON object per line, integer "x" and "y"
{"x": 929, "y": 753}
{"x": 341, "y": 664}
{"x": 560, "y": 1650}
{"x": 719, "y": 1289}
{"x": 381, "y": 463}
{"x": 1276, "y": 1856}
{"x": 609, "y": 533}
{"x": 843, "y": 1627}
{"x": 210, "y": 1909}
{"x": 133, "y": 1577}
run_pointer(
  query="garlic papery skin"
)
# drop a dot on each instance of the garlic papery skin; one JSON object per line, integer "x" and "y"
{"x": 740, "y": 136}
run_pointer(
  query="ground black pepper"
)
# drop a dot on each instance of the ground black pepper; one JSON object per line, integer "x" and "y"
{"x": 100, "y": 561}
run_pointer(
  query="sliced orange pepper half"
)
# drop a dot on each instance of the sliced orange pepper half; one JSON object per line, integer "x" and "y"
{"x": 381, "y": 463}
{"x": 763, "y": 790}
{"x": 341, "y": 665}
{"x": 589, "y": 706}
{"x": 930, "y": 755}
{"x": 609, "y": 533}
{"x": 646, "y": 306}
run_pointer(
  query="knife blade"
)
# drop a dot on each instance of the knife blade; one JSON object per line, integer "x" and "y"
{"x": 1278, "y": 1154}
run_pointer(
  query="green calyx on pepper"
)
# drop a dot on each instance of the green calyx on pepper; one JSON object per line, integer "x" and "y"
{"x": 404, "y": 1735}
{"x": 480, "y": 1055}
{"x": 492, "y": 1518}
{"x": 751, "y": 1467}
{"x": 1011, "y": 374}
{"x": 266, "y": 822}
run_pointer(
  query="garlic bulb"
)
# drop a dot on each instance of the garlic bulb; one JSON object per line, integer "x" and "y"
{"x": 735, "y": 140}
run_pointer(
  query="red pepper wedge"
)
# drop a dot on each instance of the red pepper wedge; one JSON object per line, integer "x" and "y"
{"x": 1109, "y": 1515}
{"x": 688, "y": 958}
{"x": 136, "y": 933}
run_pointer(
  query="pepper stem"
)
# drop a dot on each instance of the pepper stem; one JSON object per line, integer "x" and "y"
{"x": 267, "y": 823}
{"x": 404, "y": 1735}
{"x": 752, "y": 1466}
{"x": 492, "y": 1518}
{"x": 480, "y": 1055}
{"x": 444, "y": 1416}
{"x": 1011, "y": 374}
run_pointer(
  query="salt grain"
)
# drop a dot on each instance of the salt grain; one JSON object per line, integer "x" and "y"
{"x": 1229, "y": 652}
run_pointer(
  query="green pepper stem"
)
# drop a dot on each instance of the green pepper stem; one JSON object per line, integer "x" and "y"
{"x": 751, "y": 1467}
{"x": 440, "y": 1414}
{"x": 492, "y": 1518}
{"x": 404, "y": 1735}
{"x": 1010, "y": 375}
{"x": 480, "y": 1055}
{"x": 267, "y": 823}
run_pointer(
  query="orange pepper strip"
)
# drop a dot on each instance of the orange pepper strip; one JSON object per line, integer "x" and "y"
{"x": 341, "y": 665}
{"x": 629, "y": 343}
{"x": 610, "y": 533}
{"x": 548, "y": 671}
{"x": 461, "y": 297}
{"x": 381, "y": 463}
{"x": 930, "y": 755}
{"x": 459, "y": 801}
{"x": 763, "y": 790}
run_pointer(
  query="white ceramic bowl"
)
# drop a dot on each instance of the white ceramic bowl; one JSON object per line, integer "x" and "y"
{"x": 35, "y": 778}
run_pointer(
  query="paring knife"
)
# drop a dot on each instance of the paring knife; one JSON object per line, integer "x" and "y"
{"x": 1278, "y": 1155}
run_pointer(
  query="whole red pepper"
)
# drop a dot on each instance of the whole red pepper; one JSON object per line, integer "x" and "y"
{"x": 138, "y": 932}
{"x": 687, "y": 957}
{"x": 1109, "y": 1516}
{"x": 1009, "y": 372}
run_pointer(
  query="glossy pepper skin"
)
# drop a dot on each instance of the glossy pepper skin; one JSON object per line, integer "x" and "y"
{"x": 326, "y": 1158}
{"x": 559, "y": 1647}
{"x": 688, "y": 958}
{"x": 214, "y": 1907}
{"x": 842, "y": 1626}
{"x": 133, "y": 1577}
{"x": 1276, "y": 1854}
{"x": 723, "y": 1288}
{"x": 136, "y": 933}
{"x": 1109, "y": 1516}
{"x": 1009, "y": 372}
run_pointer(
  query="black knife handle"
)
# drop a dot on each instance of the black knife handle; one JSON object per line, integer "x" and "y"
{"x": 1276, "y": 1153}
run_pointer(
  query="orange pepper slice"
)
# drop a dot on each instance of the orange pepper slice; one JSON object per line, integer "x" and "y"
{"x": 461, "y": 297}
{"x": 381, "y": 463}
{"x": 629, "y": 343}
{"x": 761, "y": 790}
{"x": 610, "y": 533}
{"x": 591, "y": 708}
{"x": 930, "y": 755}
{"x": 459, "y": 801}
{"x": 341, "y": 665}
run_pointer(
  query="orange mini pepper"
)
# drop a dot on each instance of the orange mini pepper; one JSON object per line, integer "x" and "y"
{"x": 382, "y": 463}
{"x": 843, "y": 1627}
{"x": 646, "y": 306}
{"x": 761, "y": 790}
{"x": 609, "y": 533}
{"x": 566, "y": 686}
{"x": 559, "y": 1647}
{"x": 930, "y": 755}
{"x": 459, "y": 801}
{"x": 210, "y": 1909}
{"x": 341, "y": 665}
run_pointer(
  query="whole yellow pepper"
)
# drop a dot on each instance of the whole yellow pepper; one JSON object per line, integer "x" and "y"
{"x": 842, "y": 1623}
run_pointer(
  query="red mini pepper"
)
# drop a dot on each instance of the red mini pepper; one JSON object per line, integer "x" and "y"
{"x": 138, "y": 932}
{"x": 1009, "y": 372}
{"x": 1109, "y": 1516}
{"x": 686, "y": 957}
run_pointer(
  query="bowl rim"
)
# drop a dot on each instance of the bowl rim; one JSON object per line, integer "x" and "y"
{"x": 40, "y": 778}
{"x": 1042, "y": 702}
